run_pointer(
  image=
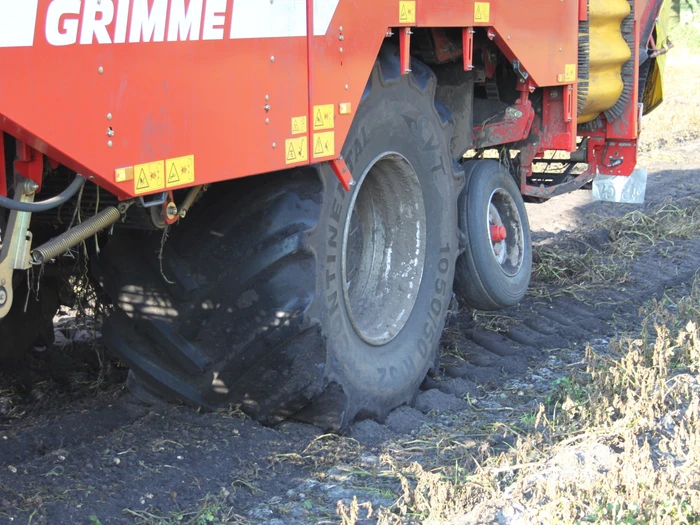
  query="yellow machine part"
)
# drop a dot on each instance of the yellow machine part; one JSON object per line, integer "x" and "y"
{"x": 608, "y": 53}
{"x": 654, "y": 92}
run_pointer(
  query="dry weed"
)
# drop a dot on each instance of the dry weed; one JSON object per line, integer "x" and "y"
{"x": 577, "y": 266}
{"x": 493, "y": 322}
{"x": 570, "y": 267}
{"x": 636, "y": 458}
{"x": 431, "y": 497}
{"x": 637, "y": 230}
{"x": 213, "y": 510}
{"x": 617, "y": 442}
{"x": 634, "y": 454}
{"x": 324, "y": 450}
{"x": 349, "y": 515}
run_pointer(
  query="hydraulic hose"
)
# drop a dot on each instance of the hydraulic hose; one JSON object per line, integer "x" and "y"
{"x": 48, "y": 204}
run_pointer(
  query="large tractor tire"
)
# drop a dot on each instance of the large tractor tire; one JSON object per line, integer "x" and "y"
{"x": 494, "y": 270}
{"x": 293, "y": 297}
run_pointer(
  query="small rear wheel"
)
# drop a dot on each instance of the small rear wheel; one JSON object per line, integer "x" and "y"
{"x": 494, "y": 271}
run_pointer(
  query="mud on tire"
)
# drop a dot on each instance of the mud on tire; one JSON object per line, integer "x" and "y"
{"x": 291, "y": 296}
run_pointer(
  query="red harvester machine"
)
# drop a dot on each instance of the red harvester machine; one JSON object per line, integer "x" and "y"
{"x": 277, "y": 195}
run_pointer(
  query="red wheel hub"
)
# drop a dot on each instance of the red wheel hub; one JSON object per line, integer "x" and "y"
{"x": 498, "y": 233}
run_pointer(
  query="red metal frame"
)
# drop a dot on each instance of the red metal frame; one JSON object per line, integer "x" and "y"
{"x": 342, "y": 172}
{"x": 468, "y": 48}
{"x": 3, "y": 169}
{"x": 557, "y": 116}
{"x": 612, "y": 157}
{"x": 512, "y": 126}
{"x": 254, "y": 87}
{"x": 405, "y": 49}
{"x": 29, "y": 163}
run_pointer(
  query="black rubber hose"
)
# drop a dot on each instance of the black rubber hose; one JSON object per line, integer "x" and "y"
{"x": 48, "y": 204}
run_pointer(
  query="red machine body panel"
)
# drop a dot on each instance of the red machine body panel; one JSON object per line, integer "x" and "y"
{"x": 541, "y": 35}
{"x": 225, "y": 101}
{"x": 187, "y": 92}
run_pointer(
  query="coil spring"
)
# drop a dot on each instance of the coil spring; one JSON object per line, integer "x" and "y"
{"x": 75, "y": 236}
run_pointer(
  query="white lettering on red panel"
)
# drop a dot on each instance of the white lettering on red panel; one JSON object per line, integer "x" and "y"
{"x": 86, "y": 22}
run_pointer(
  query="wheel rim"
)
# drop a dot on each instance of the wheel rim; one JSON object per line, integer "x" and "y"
{"x": 383, "y": 251}
{"x": 505, "y": 231}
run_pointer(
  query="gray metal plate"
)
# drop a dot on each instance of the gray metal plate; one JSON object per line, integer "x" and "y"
{"x": 615, "y": 188}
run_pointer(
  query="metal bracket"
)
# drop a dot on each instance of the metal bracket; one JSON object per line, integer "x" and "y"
{"x": 16, "y": 244}
{"x": 343, "y": 173}
{"x": 468, "y": 48}
{"x": 169, "y": 211}
{"x": 522, "y": 74}
{"x": 158, "y": 200}
{"x": 124, "y": 206}
{"x": 405, "y": 49}
{"x": 190, "y": 199}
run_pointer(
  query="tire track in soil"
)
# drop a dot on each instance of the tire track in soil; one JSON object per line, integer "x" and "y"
{"x": 542, "y": 326}
{"x": 98, "y": 455}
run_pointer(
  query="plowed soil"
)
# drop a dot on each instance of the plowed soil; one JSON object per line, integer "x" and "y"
{"x": 79, "y": 449}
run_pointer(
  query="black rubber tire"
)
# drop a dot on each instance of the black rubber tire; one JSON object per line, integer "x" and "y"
{"x": 480, "y": 280}
{"x": 256, "y": 313}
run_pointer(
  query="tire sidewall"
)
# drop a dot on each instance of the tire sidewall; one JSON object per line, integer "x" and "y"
{"x": 402, "y": 120}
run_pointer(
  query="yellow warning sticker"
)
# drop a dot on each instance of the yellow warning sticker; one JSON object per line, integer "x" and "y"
{"x": 149, "y": 177}
{"x": 179, "y": 171}
{"x": 324, "y": 117}
{"x": 482, "y": 12}
{"x": 407, "y": 12}
{"x": 570, "y": 73}
{"x": 298, "y": 125}
{"x": 324, "y": 144}
{"x": 297, "y": 150}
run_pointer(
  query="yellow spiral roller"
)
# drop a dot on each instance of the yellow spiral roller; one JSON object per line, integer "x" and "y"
{"x": 607, "y": 53}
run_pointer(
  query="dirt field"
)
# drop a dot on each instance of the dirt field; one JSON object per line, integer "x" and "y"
{"x": 539, "y": 413}
{"x": 79, "y": 449}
